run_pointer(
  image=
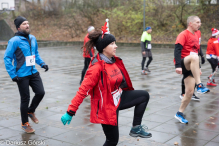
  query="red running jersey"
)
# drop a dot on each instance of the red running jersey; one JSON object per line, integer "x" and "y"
{"x": 115, "y": 76}
{"x": 190, "y": 42}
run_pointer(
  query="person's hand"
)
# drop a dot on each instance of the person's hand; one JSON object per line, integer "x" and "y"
{"x": 16, "y": 79}
{"x": 45, "y": 67}
{"x": 144, "y": 53}
{"x": 203, "y": 59}
{"x": 66, "y": 118}
{"x": 179, "y": 70}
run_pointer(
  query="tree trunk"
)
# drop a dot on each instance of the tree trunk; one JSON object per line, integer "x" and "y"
{"x": 13, "y": 14}
{"x": 39, "y": 3}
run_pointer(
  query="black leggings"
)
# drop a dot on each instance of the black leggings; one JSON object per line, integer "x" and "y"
{"x": 37, "y": 86}
{"x": 86, "y": 65}
{"x": 143, "y": 62}
{"x": 214, "y": 63}
{"x": 137, "y": 98}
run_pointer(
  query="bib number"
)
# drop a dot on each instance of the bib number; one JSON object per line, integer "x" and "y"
{"x": 193, "y": 53}
{"x": 149, "y": 46}
{"x": 30, "y": 60}
{"x": 116, "y": 96}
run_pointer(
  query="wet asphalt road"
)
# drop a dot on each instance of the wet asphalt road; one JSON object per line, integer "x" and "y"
{"x": 62, "y": 81}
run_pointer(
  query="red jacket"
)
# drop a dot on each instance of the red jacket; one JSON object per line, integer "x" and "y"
{"x": 87, "y": 54}
{"x": 213, "y": 47}
{"x": 97, "y": 84}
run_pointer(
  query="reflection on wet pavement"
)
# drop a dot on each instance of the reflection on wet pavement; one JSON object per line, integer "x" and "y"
{"x": 61, "y": 83}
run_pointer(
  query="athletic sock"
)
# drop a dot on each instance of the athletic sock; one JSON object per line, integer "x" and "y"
{"x": 135, "y": 126}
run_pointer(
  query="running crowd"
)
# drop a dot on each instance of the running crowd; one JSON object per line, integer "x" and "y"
{"x": 105, "y": 79}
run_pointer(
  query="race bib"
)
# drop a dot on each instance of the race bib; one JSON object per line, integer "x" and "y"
{"x": 149, "y": 46}
{"x": 193, "y": 53}
{"x": 30, "y": 60}
{"x": 199, "y": 41}
{"x": 116, "y": 96}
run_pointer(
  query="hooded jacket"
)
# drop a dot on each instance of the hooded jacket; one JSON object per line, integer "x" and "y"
{"x": 97, "y": 84}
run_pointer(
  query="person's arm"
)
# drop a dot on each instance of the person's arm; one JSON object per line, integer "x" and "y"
{"x": 90, "y": 80}
{"x": 38, "y": 59}
{"x": 143, "y": 45}
{"x": 200, "y": 53}
{"x": 8, "y": 58}
{"x": 216, "y": 46}
{"x": 177, "y": 55}
{"x": 143, "y": 42}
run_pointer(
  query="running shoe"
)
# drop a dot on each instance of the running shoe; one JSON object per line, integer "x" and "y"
{"x": 27, "y": 128}
{"x": 202, "y": 89}
{"x": 179, "y": 116}
{"x": 194, "y": 97}
{"x": 33, "y": 118}
{"x": 181, "y": 96}
{"x": 147, "y": 69}
{"x": 211, "y": 84}
{"x": 140, "y": 131}
{"x": 143, "y": 73}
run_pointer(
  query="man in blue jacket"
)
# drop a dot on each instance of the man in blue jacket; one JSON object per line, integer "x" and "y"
{"x": 23, "y": 50}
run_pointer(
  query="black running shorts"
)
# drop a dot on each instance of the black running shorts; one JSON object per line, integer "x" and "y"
{"x": 185, "y": 72}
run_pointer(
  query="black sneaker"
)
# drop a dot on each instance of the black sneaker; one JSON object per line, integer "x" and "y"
{"x": 147, "y": 69}
{"x": 194, "y": 97}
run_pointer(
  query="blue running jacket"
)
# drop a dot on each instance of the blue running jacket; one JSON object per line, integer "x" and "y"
{"x": 18, "y": 49}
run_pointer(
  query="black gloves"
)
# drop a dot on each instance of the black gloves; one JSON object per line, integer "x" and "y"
{"x": 203, "y": 59}
{"x": 15, "y": 79}
{"x": 45, "y": 67}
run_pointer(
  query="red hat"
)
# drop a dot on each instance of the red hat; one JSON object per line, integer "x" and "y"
{"x": 214, "y": 32}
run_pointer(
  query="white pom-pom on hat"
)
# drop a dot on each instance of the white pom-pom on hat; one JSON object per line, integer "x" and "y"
{"x": 214, "y": 32}
{"x": 107, "y": 21}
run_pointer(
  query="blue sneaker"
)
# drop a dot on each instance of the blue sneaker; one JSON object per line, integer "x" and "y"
{"x": 140, "y": 131}
{"x": 179, "y": 116}
{"x": 202, "y": 89}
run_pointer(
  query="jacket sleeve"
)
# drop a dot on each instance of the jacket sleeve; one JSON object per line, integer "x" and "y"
{"x": 217, "y": 49}
{"x": 8, "y": 58}
{"x": 143, "y": 45}
{"x": 177, "y": 55}
{"x": 39, "y": 60}
{"x": 90, "y": 80}
{"x": 200, "y": 53}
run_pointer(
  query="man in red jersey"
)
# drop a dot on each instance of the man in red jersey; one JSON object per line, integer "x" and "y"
{"x": 187, "y": 46}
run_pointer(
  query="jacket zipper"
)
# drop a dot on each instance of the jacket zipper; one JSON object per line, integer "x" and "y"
{"x": 98, "y": 108}
{"x": 101, "y": 74}
{"x": 29, "y": 41}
